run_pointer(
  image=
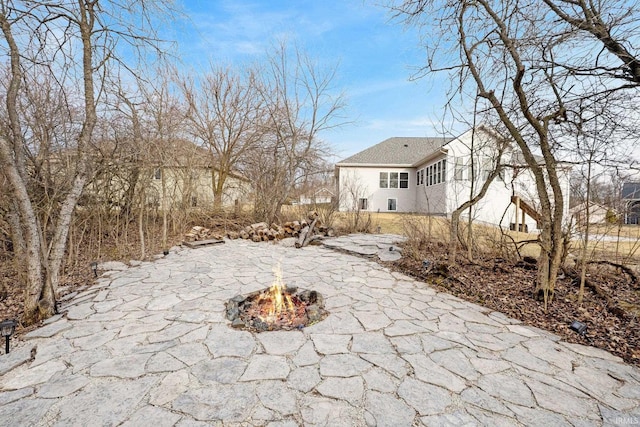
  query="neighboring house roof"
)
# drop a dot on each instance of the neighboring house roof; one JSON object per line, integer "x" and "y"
{"x": 181, "y": 153}
{"x": 397, "y": 151}
{"x": 517, "y": 159}
{"x": 178, "y": 153}
{"x": 323, "y": 190}
{"x": 593, "y": 207}
{"x": 631, "y": 191}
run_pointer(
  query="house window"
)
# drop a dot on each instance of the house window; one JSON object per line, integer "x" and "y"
{"x": 393, "y": 179}
{"x": 391, "y": 204}
{"x": 404, "y": 179}
{"x": 444, "y": 168}
{"x": 363, "y": 204}
{"x": 157, "y": 173}
{"x": 431, "y": 175}
{"x": 417, "y": 177}
{"x": 421, "y": 176}
{"x": 459, "y": 169}
{"x": 439, "y": 173}
{"x": 384, "y": 180}
{"x": 194, "y": 201}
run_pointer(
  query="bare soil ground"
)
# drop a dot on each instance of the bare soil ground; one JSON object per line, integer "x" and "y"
{"x": 610, "y": 309}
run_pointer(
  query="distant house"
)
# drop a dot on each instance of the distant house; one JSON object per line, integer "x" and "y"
{"x": 631, "y": 202}
{"x": 192, "y": 187}
{"x": 598, "y": 214}
{"x": 175, "y": 174}
{"x": 320, "y": 196}
{"x": 435, "y": 175}
{"x": 189, "y": 176}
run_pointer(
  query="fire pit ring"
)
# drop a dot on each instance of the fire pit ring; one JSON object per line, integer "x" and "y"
{"x": 252, "y": 311}
{"x": 276, "y": 308}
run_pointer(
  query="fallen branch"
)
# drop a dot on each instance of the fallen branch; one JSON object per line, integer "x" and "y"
{"x": 305, "y": 234}
{"x": 611, "y": 305}
{"x": 632, "y": 274}
{"x": 302, "y": 236}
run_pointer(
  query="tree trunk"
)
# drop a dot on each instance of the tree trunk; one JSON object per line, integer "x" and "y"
{"x": 143, "y": 250}
{"x": 585, "y": 242}
{"x": 18, "y": 241}
{"x": 453, "y": 236}
{"x": 164, "y": 211}
{"x": 13, "y": 162}
{"x": 28, "y": 230}
{"x": 130, "y": 193}
{"x": 455, "y": 215}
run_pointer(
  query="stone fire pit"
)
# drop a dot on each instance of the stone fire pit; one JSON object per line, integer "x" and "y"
{"x": 276, "y": 308}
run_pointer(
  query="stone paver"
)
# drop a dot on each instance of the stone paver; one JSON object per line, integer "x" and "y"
{"x": 149, "y": 345}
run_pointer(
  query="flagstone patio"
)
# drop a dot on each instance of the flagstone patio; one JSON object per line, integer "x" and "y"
{"x": 150, "y": 345}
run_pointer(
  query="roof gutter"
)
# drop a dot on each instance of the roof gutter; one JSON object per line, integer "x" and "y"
{"x": 374, "y": 165}
{"x": 429, "y": 157}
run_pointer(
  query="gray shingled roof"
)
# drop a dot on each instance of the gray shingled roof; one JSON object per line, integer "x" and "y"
{"x": 631, "y": 191}
{"x": 397, "y": 151}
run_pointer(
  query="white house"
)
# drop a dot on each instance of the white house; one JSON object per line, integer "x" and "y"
{"x": 436, "y": 175}
{"x": 598, "y": 214}
{"x": 320, "y": 196}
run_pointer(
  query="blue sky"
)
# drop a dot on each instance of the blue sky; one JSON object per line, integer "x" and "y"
{"x": 375, "y": 59}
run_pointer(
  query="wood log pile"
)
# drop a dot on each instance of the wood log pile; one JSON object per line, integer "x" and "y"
{"x": 306, "y": 231}
{"x": 198, "y": 233}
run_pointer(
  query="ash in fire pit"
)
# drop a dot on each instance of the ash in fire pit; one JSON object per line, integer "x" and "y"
{"x": 276, "y": 308}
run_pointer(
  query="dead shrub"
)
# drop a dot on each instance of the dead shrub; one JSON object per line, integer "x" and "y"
{"x": 422, "y": 236}
{"x": 357, "y": 221}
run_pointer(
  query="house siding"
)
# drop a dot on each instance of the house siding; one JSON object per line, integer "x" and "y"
{"x": 432, "y": 199}
{"x": 496, "y": 206}
{"x": 192, "y": 188}
{"x": 364, "y": 182}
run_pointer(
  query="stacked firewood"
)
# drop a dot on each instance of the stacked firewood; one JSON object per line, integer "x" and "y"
{"x": 198, "y": 233}
{"x": 306, "y": 230}
{"x": 258, "y": 232}
{"x": 262, "y": 232}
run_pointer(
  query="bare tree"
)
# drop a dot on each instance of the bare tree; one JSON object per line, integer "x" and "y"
{"x": 599, "y": 144}
{"x": 37, "y": 39}
{"x": 225, "y": 113}
{"x": 353, "y": 199}
{"x": 488, "y": 146}
{"x": 299, "y": 103}
{"x": 525, "y": 66}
